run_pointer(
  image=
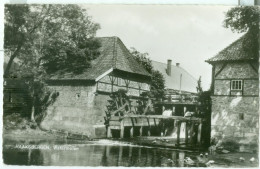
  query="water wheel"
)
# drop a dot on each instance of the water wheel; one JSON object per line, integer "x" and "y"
{"x": 119, "y": 105}
{"x": 145, "y": 104}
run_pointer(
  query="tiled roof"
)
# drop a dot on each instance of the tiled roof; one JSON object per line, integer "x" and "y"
{"x": 233, "y": 52}
{"x": 178, "y": 74}
{"x": 113, "y": 54}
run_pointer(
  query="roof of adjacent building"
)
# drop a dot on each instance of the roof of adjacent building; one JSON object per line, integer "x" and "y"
{"x": 234, "y": 52}
{"x": 113, "y": 54}
{"x": 180, "y": 79}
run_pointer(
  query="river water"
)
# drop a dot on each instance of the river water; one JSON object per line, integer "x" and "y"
{"x": 21, "y": 151}
{"x": 93, "y": 153}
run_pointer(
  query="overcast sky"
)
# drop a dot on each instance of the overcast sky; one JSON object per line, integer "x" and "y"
{"x": 186, "y": 34}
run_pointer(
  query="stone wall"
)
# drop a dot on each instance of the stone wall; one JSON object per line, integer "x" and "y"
{"x": 236, "y": 70}
{"x": 77, "y": 109}
{"x": 250, "y": 87}
{"x": 235, "y": 114}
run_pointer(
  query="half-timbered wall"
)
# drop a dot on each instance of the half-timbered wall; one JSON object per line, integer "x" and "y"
{"x": 235, "y": 112}
{"x": 112, "y": 83}
{"x": 225, "y": 73}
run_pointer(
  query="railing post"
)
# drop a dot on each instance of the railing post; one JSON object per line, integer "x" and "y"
{"x": 199, "y": 133}
{"x": 132, "y": 132}
{"x": 109, "y": 134}
{"x": 149, "y": 127}
{"x": 186, "y": 132}
{"x": 141, "y": 131}
{"x": 178, "y": 131}
{"x": 122, "y": 129}
{"x": 191, "y": 132}
{"x": 162, "y": 127}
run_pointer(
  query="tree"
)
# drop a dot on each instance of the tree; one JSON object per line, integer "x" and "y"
{"x": 245, "y": 19}
{"x": 45, "y": 38}
{"x": 143, "y": 59}
{"x": 199, "y": 88}
{"x": 48, "y": 39}
{"x": 157, "y": 79}
{"x": 157, "y": 84}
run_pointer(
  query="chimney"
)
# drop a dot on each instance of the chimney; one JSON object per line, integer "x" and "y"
{"x": 178, "y": 64}
{"x": 169, "y": 67}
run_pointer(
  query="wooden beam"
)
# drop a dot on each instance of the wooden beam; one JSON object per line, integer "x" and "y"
{"x": 191, "y": 132}
{"x": 154, "y": 122}
{"x": 104, "y": 74}
{"x": 109, "y": 133}
{"x": 122, "y": 129}
{"x": 108, "y": 151}
{"x": 199, "y": 134}
{"x": 220, "y": 70}
{"x": 149, "y": 127}
{"x": 141, "y": 131}
{"x": 212, "y": 87}
{"x": 186, "y": 132}
{"x": 255, "y": 69}
{"x": 178, "y": 131}
{"x": 181, "y": 118}
{"x": 132, "y": 132}
{"x": 120, "y": 155}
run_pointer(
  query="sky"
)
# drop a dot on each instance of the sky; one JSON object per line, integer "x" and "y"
{"x": 185, "y": 34}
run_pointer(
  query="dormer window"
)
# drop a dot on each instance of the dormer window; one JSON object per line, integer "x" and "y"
{"x": 236, "y": 85}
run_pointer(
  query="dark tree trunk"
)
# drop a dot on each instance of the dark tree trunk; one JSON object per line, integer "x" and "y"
{"x": 8, "y": 67}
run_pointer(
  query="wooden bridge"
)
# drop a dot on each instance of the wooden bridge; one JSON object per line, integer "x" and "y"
{"x": 193, "y": 125}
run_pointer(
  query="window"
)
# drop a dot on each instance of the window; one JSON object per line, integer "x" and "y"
{"x": 236, "y": 85}
{"x": 77, "y": 95}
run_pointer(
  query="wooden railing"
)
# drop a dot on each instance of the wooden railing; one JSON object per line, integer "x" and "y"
{"x": 140, "y": 121}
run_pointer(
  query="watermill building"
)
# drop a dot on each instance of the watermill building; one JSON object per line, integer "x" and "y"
{"x": 235, "y": 93}
{"x": 82, "y": 99}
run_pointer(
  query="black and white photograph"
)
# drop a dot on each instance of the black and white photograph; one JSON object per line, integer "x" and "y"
{"x": 131, "y": 85}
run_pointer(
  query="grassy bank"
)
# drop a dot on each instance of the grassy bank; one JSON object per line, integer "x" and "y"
{"x": 14, "y": 125}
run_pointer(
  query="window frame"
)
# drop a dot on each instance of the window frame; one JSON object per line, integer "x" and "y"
{"x": 238, "y": 87}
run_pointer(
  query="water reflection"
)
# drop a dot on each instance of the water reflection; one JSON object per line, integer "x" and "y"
{"x": 89, "y": 154}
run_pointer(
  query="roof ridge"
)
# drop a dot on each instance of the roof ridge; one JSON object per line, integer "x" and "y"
{"x": 177, "y": 67}
{"x": 211, "y": 59}
{"x": 232, "y": 43}
{"x": 130, "y": 56}
{"x": 114, "y": 51}
{"x": 158, "y": 62}
{"x": 187, "y": 72}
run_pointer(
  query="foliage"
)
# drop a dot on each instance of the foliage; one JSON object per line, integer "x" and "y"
{"x": 48, "y": 39}
{"x": 143, "y": 59}
{"x": 43, "y": 98}
{"x": 157, "y": 79}
{"x": 245, "y": 19}
{"x": 199, "y": 88}
{"x": 157, "y": 84}
{"x": 17, "y": 121}
{"x": 45, "y": 38}
{"x": 204, "y": 100}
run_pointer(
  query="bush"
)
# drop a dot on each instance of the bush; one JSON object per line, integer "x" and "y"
{"x": 230, "y": 145}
